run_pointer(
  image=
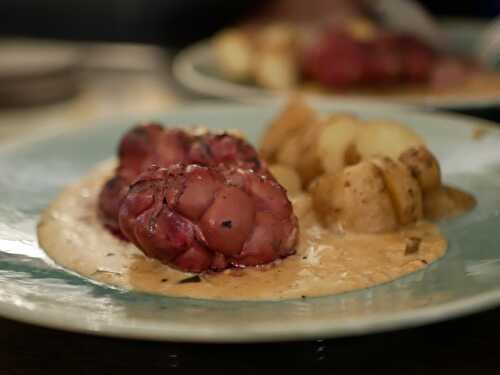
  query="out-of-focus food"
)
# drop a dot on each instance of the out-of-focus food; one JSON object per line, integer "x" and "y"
{"x": 275, "y": 65}
{"x": 308, "y": 163}
{"x": 234, "y": 52}
{"x": 288, "y": 123}
{"x": 351, "y": 54}
{"x": 287, "y": 177}
{"x": 276, "y": 70}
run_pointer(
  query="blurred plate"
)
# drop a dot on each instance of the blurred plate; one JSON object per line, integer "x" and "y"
{"x": 196, "y": 69}
{"x": 34, "y": 72}
{"x": 33, "y": 289}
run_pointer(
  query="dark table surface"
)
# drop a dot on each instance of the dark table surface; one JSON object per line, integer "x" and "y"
{"x": 469, "y": 345}
{"x": 492, "y": 113}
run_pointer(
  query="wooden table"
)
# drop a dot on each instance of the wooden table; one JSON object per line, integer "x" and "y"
{"x": 468, "y": 345}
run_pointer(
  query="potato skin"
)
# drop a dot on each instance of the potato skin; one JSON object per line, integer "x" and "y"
{"x": 275, "y": 70}
{"x": 336, "y": 142}
{"x": 385, "y": 138}
{"x": 355, "y": 199}
{"x": 289, "y": 152}
{"x": 234, "y": 51}
{"x": 308, "y": 164}
{"x": 266, "y": 54}
{"x": 351, "y": 156}
{"x": 404, "y": 189}
{"x": 292, "y": 140}
{"x": 424, "y": 167}
{"x": 325, "y": 201}
{"x": 287, "y": 177}
{"x": 293, "y": 119}
{"x": 277, "y": 37}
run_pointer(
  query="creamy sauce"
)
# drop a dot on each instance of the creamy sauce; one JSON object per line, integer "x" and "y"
{"x": 325, "y": 263}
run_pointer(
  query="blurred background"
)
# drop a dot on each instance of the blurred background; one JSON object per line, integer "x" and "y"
{"x": 169, "y": 23}
{"x": 71, "y": 61}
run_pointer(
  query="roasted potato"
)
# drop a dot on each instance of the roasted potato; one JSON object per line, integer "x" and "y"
{"x": 309, "y": 164}
{"x": 336, "y": 142}
{"x": 355, "y": 199}
{"x": 351, "y": 155}
{"x": 289, "y": 153}
{"x": 385, "y": 139}
{"x": 275, "y": 59}
{"x": 275, "y": 69}
{"x": 295, "y": 117}
{"x": 403, "y": 187}
{"x": 361, "y": 28}
{"x": 277, "y": 37}
{"x": 363, "y": 176}
{"x": 234, "y": 53}
{"x": 302, "y": 205}
{"x": 424, "y": 166}
{"x": 325, "y": 199}
{"x": 287, "y": 177}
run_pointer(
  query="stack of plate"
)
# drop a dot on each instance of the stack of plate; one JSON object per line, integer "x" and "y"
{"x": 36, "y": 72}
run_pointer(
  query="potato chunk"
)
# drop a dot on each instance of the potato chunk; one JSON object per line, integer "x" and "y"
{"x": 355, "y": 199}
{"x": 385, "y": 139}
{"x": 424, "y": 166}
{"x": 308, "y": 163}
{"x": 289, "y": 153}
{"x": 336, "y": 142}
{"x": 275, "y": 59}
{"x": 277, "y": 37}
{"x": 296, "y": 116}
{"x": 287, "y": 177}
{"x": 276, "y": 70}
{"x": 404, "y": 189}
{"x": 234, "y": 53}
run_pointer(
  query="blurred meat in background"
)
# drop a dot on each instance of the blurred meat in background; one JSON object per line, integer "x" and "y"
{"x": 102, "y": 57}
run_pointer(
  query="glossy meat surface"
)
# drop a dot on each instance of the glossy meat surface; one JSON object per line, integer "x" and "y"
{"x": 151, "y": 144}
{"x": 198, "y": 218}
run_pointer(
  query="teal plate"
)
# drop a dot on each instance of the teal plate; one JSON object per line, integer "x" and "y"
{"x": 33, "y": 289}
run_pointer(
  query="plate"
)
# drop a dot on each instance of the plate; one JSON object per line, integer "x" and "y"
{"x": 33, "y": 289}
{"x": 35, "y": 72}
{"x": 196, "y": 69}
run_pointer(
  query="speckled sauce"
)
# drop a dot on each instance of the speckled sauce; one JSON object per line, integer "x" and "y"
{"x": 325, "y": 262}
